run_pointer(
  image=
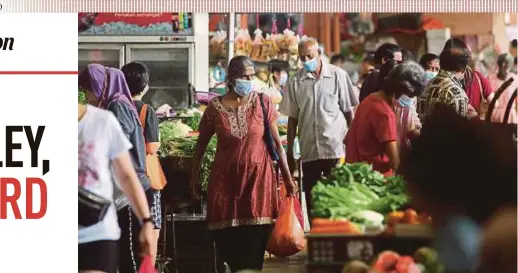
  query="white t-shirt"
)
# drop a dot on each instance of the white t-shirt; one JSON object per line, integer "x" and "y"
{"x": 101, "y": 140}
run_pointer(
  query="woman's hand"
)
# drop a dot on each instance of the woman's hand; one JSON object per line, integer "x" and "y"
{"x": 146, "y": 239}
{"x": 290, "y": 186}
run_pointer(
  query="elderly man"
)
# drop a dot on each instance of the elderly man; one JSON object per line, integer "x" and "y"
{"x": 319, "y": 101}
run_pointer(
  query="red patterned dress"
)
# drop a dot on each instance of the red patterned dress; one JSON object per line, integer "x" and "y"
{"x": 242, "y": 185}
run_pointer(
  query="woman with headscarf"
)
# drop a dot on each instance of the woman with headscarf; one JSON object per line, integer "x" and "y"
{"x": 106, "y": 88}
{"x": 504, "y": 62}
{"x": 242, "y": 195}
{"x": 102, "y": 143}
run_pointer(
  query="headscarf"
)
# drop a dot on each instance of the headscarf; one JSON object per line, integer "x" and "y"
{"x": 116, "y": 90}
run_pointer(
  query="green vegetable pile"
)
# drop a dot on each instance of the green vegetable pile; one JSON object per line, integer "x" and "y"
{"x": 82, "y": 97}
{"x": 356, "y": 187}
{"x": 174, "y": 142}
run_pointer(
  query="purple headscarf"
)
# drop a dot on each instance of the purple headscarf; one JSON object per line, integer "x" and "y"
{"x": 115, "y": 90}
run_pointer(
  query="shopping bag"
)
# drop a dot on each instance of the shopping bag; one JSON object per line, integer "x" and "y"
{"x": 147, "y": 266}
{"x": 287, "y": 237}
{"x": 297, "y": 206}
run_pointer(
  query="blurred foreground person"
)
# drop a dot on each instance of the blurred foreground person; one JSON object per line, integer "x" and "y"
{"x": 504, "y": 62}
{"x": 384, "y": 53}
{"x": 137, "y": 77}
{"x": 106, "y": 88}
{"x": 448, "y": 173}
{"x": 373, "y": 136}
{"x": 242, "y": 196}
{"x": 319, "y": 103}
{"x": 102, "y": 143}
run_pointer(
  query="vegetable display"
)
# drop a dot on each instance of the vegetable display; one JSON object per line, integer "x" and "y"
{"x": 174, "y": 141}
{"x": 359, "y": 194}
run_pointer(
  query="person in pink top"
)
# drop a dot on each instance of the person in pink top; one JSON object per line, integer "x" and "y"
{"x": 505, "y": 63}
{"x": 373, "y": 135}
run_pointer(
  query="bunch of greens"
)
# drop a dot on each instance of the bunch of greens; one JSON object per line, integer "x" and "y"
{"x": 356, "y": 187}
{"x": 82, "y": 97}
{"x": 194, "y": 122}
{"x": 174, "y": 142}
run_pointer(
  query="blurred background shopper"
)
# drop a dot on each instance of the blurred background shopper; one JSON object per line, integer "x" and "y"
{"x": 102, "y": 143}
{"x": 383, "y": 54}
{"x": 431, "y": 65}
{"x": 137, "y": 78}
{"x": 504, "y": 62}
{"x": 106, "y": 88}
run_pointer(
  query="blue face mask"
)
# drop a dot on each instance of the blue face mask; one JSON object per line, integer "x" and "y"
{"x": 457, "y": 243}
{"x": 311, "y": 65}
{"x": 243, "y": 87}
{"x": 284, "y": 79}
{"x": 405, "y": 101}
{"x": 429, "y": 75}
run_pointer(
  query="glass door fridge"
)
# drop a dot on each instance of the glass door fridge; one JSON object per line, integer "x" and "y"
{"x": 111, "y": 55}
{"x": 171, "y": 72}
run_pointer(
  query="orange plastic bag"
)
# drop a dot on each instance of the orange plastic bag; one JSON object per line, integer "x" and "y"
{"x": 288, "y": 235}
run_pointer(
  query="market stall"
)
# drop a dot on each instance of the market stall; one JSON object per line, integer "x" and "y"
{"x": 363, "y": 221}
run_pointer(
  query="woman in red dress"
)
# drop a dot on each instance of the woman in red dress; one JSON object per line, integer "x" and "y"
{"x": 373, "y": 136}
{"x": 242, "y": 196}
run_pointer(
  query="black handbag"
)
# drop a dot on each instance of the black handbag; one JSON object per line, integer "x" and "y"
{"x": 91, "y": 208}
{"x": 268, "y": 138}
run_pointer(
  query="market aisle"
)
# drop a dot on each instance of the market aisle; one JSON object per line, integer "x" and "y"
{"x": 296, "y": 263}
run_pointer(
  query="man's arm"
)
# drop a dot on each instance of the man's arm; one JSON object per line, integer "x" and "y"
{"x": 347, "y": 97}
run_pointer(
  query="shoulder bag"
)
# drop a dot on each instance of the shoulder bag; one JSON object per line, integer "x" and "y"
{"x": 268, "y": 138}
{"x": 153, "y": 168}
{"x": 91, "y": 207}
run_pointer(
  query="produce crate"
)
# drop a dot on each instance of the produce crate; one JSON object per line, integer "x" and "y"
{"x": 337, "y": 249}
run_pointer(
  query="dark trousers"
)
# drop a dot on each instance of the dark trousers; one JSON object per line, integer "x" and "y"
{"x": 129, "y": 251}
{"x": 242, "y": 247}
{"x": 313, "y": 171}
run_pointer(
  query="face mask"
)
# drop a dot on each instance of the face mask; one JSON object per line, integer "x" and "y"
{"x": 405, "y": 101}
{"x": 283, "y": 79}
{"x": 457, "y": 243}
{"x": 429, "y": 75}
{"x": 243, "y": 87}
{"x": 311, "y": 65}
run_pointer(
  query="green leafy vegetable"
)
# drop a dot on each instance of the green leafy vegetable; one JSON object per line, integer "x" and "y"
{"x": 82, "y": 97}
{"x": 351, "y": 188}
{"x": 194, "y": 122}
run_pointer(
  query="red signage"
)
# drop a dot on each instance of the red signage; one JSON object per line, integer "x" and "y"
{"x": 140, "y": 19}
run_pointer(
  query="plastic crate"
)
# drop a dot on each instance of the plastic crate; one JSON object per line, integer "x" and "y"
{"x": 329, "y": 249}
